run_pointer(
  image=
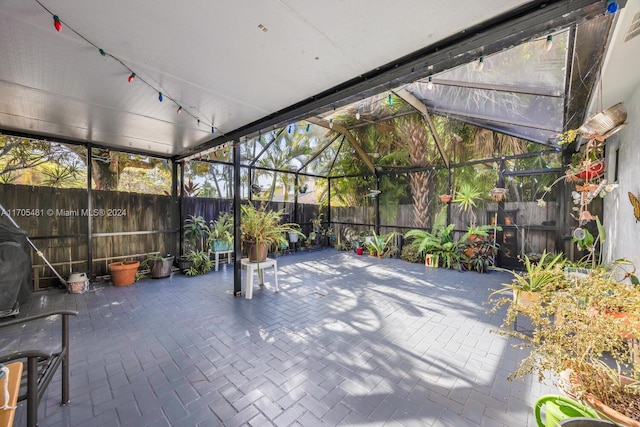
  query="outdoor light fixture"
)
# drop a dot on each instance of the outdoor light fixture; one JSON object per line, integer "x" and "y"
{"x": 179, "y": 110}
{"x": 308, "y": 127}
{"x": 358, "y": 114}
{"x": 102, "y": 52}
{"x": 480, "y": 64}
{"x": 612, "y": 7}
{"x": 549, "y": 43}
{"x": 58, "y": 25}
{"x": 289, "y": 129}
{"x": 330, "y": 123}
{"x": 131, "y": 77}
{"x": 430, "y": 83}
{"x": 213, "y": 130}
{"x": 390, "y": 99}
{"x": 160, "y": 97}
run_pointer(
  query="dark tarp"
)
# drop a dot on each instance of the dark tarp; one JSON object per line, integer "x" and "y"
{"x": 15, "y": 267}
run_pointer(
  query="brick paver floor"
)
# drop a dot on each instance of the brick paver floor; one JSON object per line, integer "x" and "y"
{"x": 348, "y": 340}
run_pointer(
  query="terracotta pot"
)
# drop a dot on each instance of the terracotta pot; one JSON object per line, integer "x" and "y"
{"x": 526, "y": 298}
{"x": 445, "y": 198}
{"x": 123, "y": 273}
{"x": 257, "y": 252}
{"x": 567, "y": 385}
{"x": 611, "y": 413}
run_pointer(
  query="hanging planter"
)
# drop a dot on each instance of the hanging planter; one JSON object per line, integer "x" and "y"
{"x": 593, "y": 171}
{"x": 497, "y": 194}
{"x": 445, "y": 198}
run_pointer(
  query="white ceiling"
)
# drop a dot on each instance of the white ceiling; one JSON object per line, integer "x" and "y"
{"x": 226, "y": 63}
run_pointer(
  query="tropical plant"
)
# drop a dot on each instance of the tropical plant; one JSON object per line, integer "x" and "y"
{"x": 543, "y": 274}
{"x": 262, "y": 226}
{"x": 196, "y": 232}
{"x": 467, "y": 197}
{"x": 381, "y": 245}
{"x": 201, "y": 263}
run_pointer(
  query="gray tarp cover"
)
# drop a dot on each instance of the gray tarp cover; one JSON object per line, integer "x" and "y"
{"x": 15, "y": 266}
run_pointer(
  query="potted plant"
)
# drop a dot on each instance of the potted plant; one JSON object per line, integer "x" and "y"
{"x": 545, "y": 274}
{"x": 381, "y": 245}
{"x": 123, "y": 273}
{"x": 220, "y": 233}
{"x": 158, "y": 266}
{"x": 579, "y": 346}
{"x": 261, "y": 228}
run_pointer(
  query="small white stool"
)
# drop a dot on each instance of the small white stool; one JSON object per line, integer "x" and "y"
{"x": 252, "y": 267}
{"x": 217, "y": 254}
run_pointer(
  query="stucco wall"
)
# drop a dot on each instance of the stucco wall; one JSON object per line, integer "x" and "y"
{"x": 623, "y": 231}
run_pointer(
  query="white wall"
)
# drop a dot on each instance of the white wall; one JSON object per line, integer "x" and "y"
{"x": 623, "y": 231}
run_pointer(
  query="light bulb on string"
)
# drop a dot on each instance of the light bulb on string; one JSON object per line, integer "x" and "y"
{"x": 390, "y": 99}
{"x": 308, "y": 127}
{"x": 132, "y": 77}
{"x": 289, "y": 129}
{"x": 198, "y": 122}
{"x": 480, "y": 64}
{"x": 358, "y": 114}
{"x": 430, "y": 83}
{"x": 612, "y": 7}
{"x": 549, "y": 43}
{"x": 179, "y": 110}
{"x": 213, "y": 130}
{"x": 330, "y": 123}
{"x": 56, "y": 23}
{"x": 102, "y": 52}
{"x": 160, "y": 98}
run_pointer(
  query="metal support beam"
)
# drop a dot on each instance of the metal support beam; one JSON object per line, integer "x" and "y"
{"x": 89, "y": 209}
{"x": 411, "y": 99}
{"x": 175, "y": 208}
{"x": 237, "y": 234}
{"x": 344, "y": 131}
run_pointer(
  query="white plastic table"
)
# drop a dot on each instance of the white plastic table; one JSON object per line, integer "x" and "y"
{"x": 252, "y": 267}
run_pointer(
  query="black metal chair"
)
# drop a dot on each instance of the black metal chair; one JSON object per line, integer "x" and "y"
{"x": 41, "y": 366}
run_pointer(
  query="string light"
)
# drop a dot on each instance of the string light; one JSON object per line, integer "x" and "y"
{"x": 430, "y": 83}
{"x": 390, "y": 99}
{"x": 358, "y": 114}
{"x": 308, "y": 127}
{"x": 56, "y": 23}
{"x": 289, "y": 129}
{"x": 480, "y": 64}
{"x": 549, "y": 43}
{"x": 330, "y": 123}
{"x": 198, "y": 122}
{"x": 612, "y": 7}
{"x": 213, "y": 130}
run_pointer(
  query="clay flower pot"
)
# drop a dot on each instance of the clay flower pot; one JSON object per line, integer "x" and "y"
{"x": 445, "y": 198}
{"x": 123, "y": 273}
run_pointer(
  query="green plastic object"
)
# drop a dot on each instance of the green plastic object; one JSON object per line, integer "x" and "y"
{"x": 559, "y": 408}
